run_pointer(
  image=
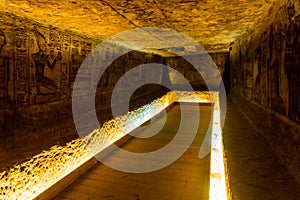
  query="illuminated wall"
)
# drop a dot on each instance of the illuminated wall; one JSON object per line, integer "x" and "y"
{"x": 38, "y": 67}
{"x": 265, "y": 79}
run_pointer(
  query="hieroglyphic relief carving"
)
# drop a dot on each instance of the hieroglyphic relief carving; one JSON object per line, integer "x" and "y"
{"x": 35, "y": 63}
{"x": 276, "y": 55}
{"x": 38, "y": 64}
{"x": 79, "y": 50}
{"x": 21, "y": 63}
{"x": 64, "y": 82}
{"x": 276, "y": 78}
{"x": 45, "y": 58}
{"x": 65, "y": 42}
{"x": 75, "y": 63}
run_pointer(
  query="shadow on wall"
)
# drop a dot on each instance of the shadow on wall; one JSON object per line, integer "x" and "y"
{"x": 38, "y": 66}
{"x": 37, "y": 69}
{"x": 266, "y": 80}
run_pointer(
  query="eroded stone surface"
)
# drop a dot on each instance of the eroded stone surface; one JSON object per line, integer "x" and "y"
{"x": 212, "y": 23}
{"x": 253, "y": 168}
{"x": 265, "y": 80}
{"x": 38, "y": 66}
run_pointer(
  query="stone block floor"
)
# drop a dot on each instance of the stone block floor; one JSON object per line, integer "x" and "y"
{"x": 255, "y": 173}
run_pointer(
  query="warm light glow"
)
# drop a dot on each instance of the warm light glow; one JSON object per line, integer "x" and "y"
{"x": 31, "y": 178}
{"x": 218, "y": 190}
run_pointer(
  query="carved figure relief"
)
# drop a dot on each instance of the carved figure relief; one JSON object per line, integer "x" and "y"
{"x": 43, "y": 59}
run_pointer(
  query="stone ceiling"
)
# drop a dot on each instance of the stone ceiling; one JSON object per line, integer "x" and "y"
{"x": 212, "y": 23}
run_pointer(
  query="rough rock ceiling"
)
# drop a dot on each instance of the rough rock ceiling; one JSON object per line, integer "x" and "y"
{"x": 212, "y": 23}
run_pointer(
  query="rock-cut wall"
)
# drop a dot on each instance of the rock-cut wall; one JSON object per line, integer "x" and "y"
{"x": 38, "y": 66}
{"x": 265, "y": 83}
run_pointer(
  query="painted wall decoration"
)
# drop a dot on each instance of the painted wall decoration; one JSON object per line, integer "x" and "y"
{"x": 38, "y": 66}
{"x": 20, "y": 68}
{"x": 39, "y": 63}
{"x": 272, "y": 52}
{"x": 269, "y": 66}
{"x": 42, "y": 60}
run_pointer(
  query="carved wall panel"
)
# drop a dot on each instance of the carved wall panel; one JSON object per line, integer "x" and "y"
{"x": 38, "y": 64}
{"x": 274, "y": 55}
{"x": 271, "y": 62}
{"x": 21, "y": 66}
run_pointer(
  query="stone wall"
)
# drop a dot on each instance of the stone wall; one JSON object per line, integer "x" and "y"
{"x": 37, "y": 72}
{"x": 150, "y": 92}
{"x": 191, "y": 73}
{"x": 265, "y": 83}
{"x": 38, "y": 65}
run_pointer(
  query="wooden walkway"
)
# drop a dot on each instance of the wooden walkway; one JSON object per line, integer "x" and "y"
{"x": 187, "y": 178}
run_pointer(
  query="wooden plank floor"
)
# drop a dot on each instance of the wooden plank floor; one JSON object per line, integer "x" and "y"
{"x": 187, "y": 178}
